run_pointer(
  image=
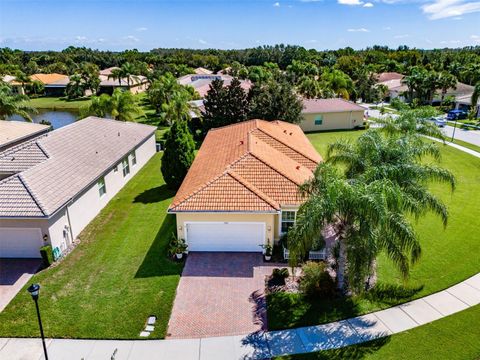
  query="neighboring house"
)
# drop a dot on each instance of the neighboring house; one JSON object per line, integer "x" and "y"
{"x": 138, "y": 84}
{"x": 331, "y": 114}
{"x": 465, "y": 103}
{"x": 201, "y": 83}
{"x": 54, "y": 84}
{"x": 60, "y": 181}
{"x": 202, "y": 71}
{"x": 16, "y": 86}
{"x": 393, "y": 82}
{"x": 242, "y": 189}
{"x": 461, "y": 90}
{"x": 15, "y": 132}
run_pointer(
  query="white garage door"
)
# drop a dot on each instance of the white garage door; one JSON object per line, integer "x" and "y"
{"x": 20, "y": 242}
{"x": 231, "y": 236}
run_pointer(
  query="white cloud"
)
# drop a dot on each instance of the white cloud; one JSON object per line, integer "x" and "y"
{"x": 350, "y": 2}
{"x": 450, "y": 42}
{"x": 401, "y": 36}
{"x": 441, "y": 9}
{"x": 80, "y": 38}
{"x": 387, "y": 28}
{"x": 358, "y": 30}
{"x": 307, "y": 1}
{"x": 203, "y": 42}
{"x": 277, "y": 4}
{"x": 131, "y": 38}
{"x": 368, "y": 5}
{"x": 312, "y": 41}
{"x": 141, "y": 29}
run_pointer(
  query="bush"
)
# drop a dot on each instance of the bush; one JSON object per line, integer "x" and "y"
{"x": 316, "y": 281}
{"x": 47, "y": 255}
{"x": 318, "y": 243}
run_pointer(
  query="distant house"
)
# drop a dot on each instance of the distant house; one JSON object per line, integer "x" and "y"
{"x": 57, "y": 183}
{"x": 54, "y": 84}
{"x": 393, "y": 82}
{"x": 16, "y": 86}
{"x": 465, "y": 103}
{"x": 15, "y": 132}
{"x": 202, "y": 71}
{"x": 201, "y": 83}
{"x": 136, "y": 84}
{"x": 331, "y": 114}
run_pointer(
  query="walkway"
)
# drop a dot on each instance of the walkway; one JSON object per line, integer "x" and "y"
{"x": 261, "y": 345}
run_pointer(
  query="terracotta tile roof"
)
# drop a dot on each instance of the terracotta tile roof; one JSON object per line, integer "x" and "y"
{"x": 252, "y": 166}
{"x": 78, "y": 154}
{"x": 48, "y": 78}
{"x": 313, "y": 106}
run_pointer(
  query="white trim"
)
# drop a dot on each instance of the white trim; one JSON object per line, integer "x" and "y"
{"x": 295, "y": 210}
{"x": 185, "y": 223}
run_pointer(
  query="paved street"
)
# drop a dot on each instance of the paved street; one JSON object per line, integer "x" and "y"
{"x": 470, "y": 136}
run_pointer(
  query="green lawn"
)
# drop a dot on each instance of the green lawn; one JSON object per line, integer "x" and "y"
{"x": 467, "y": 145}
{"x": 455, "y": 337}
{"x": 449, "y": 256}
{"x": 117, "y": 276}
{"x": 57, "y": 103}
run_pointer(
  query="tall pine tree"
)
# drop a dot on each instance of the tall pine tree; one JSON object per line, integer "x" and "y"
{"x": 179, "y": 154}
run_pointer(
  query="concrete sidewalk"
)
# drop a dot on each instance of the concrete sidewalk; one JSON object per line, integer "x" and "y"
{"x": 261, "y": 345}
{"x": 459, "y": 147}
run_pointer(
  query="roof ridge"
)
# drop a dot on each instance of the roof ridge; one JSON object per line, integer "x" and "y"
{"x": 287, "y": 145}
{"x": 256, "y": 191}
{"x": 37, "y": 202}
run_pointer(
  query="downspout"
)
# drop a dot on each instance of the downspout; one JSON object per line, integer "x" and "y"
{"x": 69, "y": 222}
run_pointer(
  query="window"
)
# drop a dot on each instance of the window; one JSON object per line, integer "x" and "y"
{"x": 318, "y": 120}
{"x": 102, "y": 189}
{"x": 134, "y": 158}
{"x": 126, "y": 167}
{"x": 288, "y": 220}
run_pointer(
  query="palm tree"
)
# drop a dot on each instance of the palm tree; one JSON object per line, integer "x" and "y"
{"x": 75, "y": 87}
{"x": 14, "y": 104}
{"x": 118, "y": 74}
{"x": 339, "y": 82}
{"x": 385, "y": 183}
{"x": 128, "y": 71}
{"x": 177, "y": 109}
{"x": 309, "y": 87}
{"x": 23, "y": 79}
{"x": 446, "y": 81}
{"x": 122, "y": 105}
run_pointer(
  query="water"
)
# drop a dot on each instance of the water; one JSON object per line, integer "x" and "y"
{"x": 58, "y": 119}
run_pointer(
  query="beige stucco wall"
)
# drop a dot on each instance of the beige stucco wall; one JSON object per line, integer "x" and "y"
{"x": 333, "y": 121}
{"x": 268, "y": 219}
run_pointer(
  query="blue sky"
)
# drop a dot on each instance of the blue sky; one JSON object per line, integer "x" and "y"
{"x": 319, "y": 24}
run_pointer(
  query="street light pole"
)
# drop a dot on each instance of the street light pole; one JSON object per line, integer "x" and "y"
{"x": 454, "y": 128}
{"x": 34, "y": 290}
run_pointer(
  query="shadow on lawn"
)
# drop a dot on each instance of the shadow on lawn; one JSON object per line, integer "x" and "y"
{"x": 156, "y": 262}
{"x": 154, "y": 195}
{"x": 354, "y": 352}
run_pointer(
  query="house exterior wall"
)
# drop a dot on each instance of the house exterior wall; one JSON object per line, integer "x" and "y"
{"x": 332, "y": 121}
{"x": 268, "y": 219}
{"x": 67, "y": 223}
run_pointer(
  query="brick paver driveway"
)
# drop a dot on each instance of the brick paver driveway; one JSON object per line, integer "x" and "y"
{"x": 220, "y": 294}
{"x": 14, "y": 274}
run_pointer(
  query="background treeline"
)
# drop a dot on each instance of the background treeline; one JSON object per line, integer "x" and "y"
{"x": 463, "y": 63}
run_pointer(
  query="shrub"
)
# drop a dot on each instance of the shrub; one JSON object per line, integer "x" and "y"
{"x": 316, "y": 281}
{"x": 278, "y": 277}
{"x": 47, "y": 255}
{"x": 318, "y": 243}
{"x": 178, "y": 155}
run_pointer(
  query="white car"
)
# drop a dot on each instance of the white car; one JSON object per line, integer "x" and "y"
{"x": 440, "y": 121}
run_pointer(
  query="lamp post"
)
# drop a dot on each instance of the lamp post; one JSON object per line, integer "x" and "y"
{"x": 34, "y": 290}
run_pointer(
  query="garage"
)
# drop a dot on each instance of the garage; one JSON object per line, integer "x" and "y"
{"x": 225, "y": 236}
{"x": 20, "y": 242}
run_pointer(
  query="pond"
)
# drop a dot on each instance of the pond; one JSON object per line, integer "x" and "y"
{"x": 58, "y": 119}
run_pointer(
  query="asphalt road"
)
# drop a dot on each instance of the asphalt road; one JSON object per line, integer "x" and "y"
{"x": 470, "y": 136}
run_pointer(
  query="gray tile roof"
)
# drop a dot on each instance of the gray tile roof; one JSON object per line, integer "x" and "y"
{"x": 78, "y": 154}
{"x": 22, "y": 157}
{"x": 16, "y": 200}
